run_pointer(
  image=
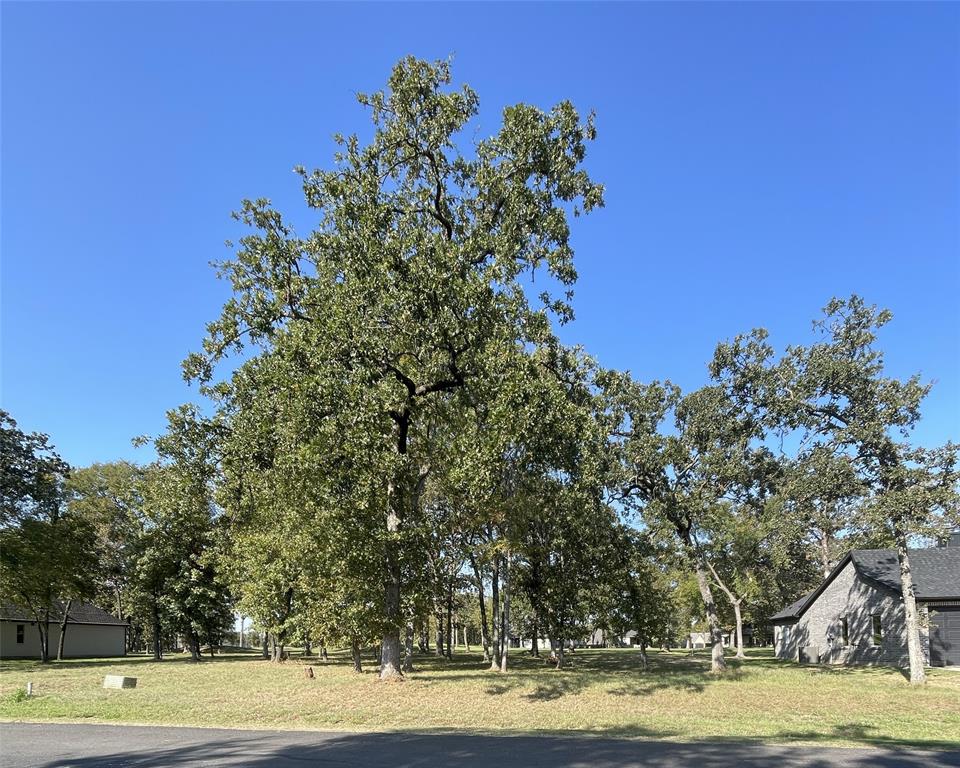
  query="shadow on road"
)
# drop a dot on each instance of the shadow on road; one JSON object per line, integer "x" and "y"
{"x": 134, "y": 747}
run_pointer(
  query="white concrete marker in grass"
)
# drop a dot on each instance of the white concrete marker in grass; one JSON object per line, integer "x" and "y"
{"x": 119, "y": 681}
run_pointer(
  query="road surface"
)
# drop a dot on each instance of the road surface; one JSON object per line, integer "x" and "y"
{"x": 25, "y": 745}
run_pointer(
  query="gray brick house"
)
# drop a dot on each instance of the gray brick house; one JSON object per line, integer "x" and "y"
{"x": 856, "y": 615}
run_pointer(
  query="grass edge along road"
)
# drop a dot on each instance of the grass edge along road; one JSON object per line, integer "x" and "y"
{"x": 602, "y": 693}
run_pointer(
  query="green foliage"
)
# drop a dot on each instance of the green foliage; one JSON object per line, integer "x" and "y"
{"x": 406, "y": 295}
{"x": 31, "y": 474}
{"x": 46, "y": 551}
{"x": 109, "y": 497}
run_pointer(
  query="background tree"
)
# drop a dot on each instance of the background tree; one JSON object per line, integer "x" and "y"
{"x": 110, "y": 498}
{"x": 47, "y": 553}
{"x": 178, "y": 564}
{"x": 835, "y": 394}
{"x": 678, "y": 477}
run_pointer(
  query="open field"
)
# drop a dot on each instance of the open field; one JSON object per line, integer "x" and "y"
{"x": 604, "y": 692}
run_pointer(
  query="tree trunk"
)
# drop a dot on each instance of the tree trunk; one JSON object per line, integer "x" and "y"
{"x": 826, "y": 548}
{"x": 505, "y": 615}
{"x": 63, "y": 629}
{"x": 735, "y": 602}
{"x": 451, "y": 638}
{"x": 535, "y": 640}
{"x": 157, "y": 647}
{"x": 917, "y": 674}
{"x": 495, "y": 624}
{"x": 266, "y": 645}
{"x": 561, "y": 644}
{"x": 408, "y": 648}
{"x": 717, "y": 663}
{"x": 307, "y": 648}
{"x": 323, "y": 653}
{"x": 424, "y": 641}
{"x": 438, "y": 619}
{"x": 43, "y": 627}
{"x": 355, "y": 654}
{"x": 644, "y": 661}
{"x": 484, "y": 635}
{"x": 390, "y": 667}
{"x": 739, "y": 619}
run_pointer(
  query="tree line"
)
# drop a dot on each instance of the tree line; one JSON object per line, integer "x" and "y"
{"x": 404, "y": 446}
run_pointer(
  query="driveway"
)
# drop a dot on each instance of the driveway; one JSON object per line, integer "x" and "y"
{"x": 24, "y": 745}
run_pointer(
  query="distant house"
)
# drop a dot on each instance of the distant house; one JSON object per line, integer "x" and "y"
{"x": 702, "y": 639}
{"x": 90, "y": 632}
{"x": 856, "y": 616}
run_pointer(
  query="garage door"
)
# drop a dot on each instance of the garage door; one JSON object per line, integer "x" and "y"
{"x": 945, "y": 635}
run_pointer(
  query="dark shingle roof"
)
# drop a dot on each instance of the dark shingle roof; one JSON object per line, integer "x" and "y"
{"x": 936, "y": 572}
{"x": 936, "y": 575}
{"x": 80, "y": 613}
{"x": 791, "y": 611}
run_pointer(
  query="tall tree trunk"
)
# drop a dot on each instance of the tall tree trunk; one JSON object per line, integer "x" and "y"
{"x": 738, "y": 617}
{"x": 43, "y": 627}
{"x": 408, "y": 648}
{"x": 826, "y": 551}
{"x": 484, "y": 634}
{"x": 355, "y": 655}
{"x": 438, "y": 619}
{"x": 63, "y": 629}
{"x": 424, "y": 639}
{"x": 505, "y": 615}
{"x": 307, "y": 648}
{"x": 194, "y": 642}
{"x": 390, "y": 666}
{"x": 560, "y": 647}
{"x": 535, "y": 640}
{"x": 495, "y": 623}
{"x": 451, "y": 638}
{"x": 917, "y": 674}
{"x": 157, "y": 640}
{"x": 275, "y": 647}
{"x": 717, "y": 663}
{"x": 266, "y": 645}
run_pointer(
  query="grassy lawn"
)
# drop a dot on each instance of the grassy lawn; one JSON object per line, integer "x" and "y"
{"x": 604, "y": 692}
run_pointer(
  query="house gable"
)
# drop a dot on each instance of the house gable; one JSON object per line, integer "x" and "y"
{"x": 847, "y": 597}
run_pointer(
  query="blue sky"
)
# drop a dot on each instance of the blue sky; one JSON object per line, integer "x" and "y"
{"x": 758, "y": 159}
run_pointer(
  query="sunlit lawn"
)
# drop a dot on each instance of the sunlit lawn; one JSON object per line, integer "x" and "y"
{"x": 602, "y": 692}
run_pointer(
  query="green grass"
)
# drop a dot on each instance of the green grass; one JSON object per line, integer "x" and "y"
{"x": 604, "y": 692}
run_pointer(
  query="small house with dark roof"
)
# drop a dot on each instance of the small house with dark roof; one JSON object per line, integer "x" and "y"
{"x": 90, "y": 632}
{"x": 856, "y": 616}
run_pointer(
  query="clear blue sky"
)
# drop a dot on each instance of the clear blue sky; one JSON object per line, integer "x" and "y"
{"x": 758, "y": 158}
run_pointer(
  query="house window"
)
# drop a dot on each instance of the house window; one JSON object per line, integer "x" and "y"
{"x": 20, "y": 633}
{"x": 844, "y": 631}
{"x": 877, "y": 629}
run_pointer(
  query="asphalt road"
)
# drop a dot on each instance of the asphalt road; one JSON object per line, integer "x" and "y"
{"x": 24, "y": 745}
